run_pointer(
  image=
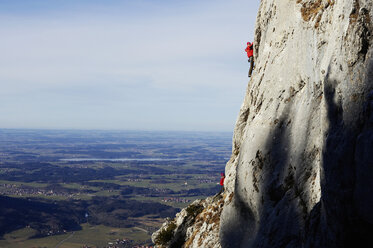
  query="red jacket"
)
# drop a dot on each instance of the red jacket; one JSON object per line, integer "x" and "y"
{"x": 222, "y": 181}
{"x": 249, "y": 49}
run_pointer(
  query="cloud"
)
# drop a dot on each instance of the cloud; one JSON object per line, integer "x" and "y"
{"x": 119, "y": 58}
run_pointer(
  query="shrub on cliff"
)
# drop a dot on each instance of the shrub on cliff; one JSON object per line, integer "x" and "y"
{"x": 194, "y": 210}
{"x": 166, "y": 234}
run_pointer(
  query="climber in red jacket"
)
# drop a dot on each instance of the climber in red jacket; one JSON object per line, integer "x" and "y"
{"x": 250, "y": 52}
{"x": 222, "y": 182}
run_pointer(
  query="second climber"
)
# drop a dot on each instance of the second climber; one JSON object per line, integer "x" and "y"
{"x": 250, "y": 52}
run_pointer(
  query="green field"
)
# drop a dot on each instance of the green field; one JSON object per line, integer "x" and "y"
{"x": 53, "y": 181}
{"x": 94, "y": 236}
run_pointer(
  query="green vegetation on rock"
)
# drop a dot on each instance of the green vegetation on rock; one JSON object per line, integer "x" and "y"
{"x": 166, "y": 234}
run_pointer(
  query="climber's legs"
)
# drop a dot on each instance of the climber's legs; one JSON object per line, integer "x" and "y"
{"x": 251, "y": 61}
{"x": 221, "y": 190}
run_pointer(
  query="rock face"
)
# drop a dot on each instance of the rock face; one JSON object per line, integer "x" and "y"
{"x": 195, "y": 226}
{"x": 302, "y": 166}
{"x": 301, "y": 171}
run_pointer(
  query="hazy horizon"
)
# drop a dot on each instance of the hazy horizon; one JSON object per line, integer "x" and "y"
{"x": 116, "y": 130}
{"x": 123, "y": 65}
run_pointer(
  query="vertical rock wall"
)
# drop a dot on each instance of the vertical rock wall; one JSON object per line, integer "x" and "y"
{"x": 301, "y": 172}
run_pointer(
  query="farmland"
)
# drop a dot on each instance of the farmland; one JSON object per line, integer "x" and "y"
{"x": 82, "y": 185}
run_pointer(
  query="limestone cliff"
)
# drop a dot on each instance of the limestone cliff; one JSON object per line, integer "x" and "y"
{"x": 301, "y": 171}
{"x": 195, "y": 226}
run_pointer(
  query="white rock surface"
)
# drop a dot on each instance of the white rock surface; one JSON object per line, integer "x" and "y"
{"x": 195, "y": 228}
{"x": 301, "y": 171}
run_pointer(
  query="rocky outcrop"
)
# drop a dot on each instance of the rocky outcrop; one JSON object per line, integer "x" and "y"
{"x": 195, "y": 226}
{"x": 301, "y": 171}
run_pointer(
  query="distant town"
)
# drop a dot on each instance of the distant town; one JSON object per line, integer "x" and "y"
{"x": 48, "y": 198}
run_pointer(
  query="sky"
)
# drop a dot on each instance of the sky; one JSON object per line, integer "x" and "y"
{"x": 124, "y": 65}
